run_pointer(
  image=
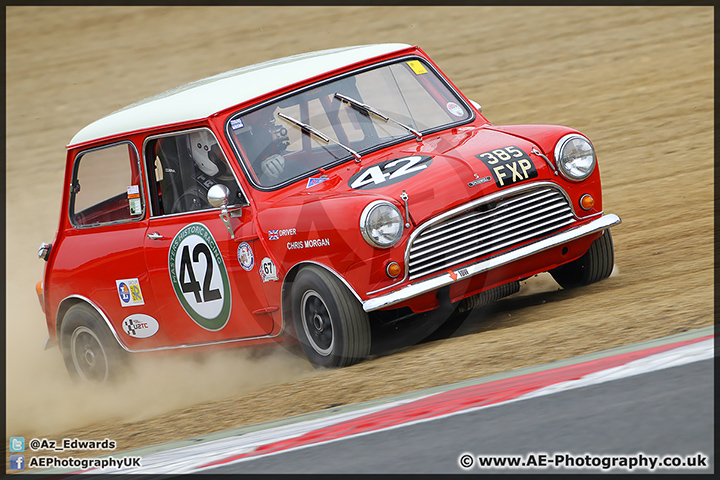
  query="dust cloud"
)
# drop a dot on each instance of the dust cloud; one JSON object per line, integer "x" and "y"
{"x": 50, "y": 401}
{"x": 42, "y": 399}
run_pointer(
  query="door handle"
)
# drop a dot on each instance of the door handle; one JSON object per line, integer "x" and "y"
{"x": 155, "y": 236}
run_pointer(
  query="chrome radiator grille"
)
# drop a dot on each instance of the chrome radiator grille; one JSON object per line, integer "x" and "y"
{"x": 488, "y": 228}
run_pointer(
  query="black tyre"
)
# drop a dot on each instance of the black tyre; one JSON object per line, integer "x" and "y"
{"x": 595, "y": 265}
{"x": 331, "y": 326}
{"x": 90, "y": 351}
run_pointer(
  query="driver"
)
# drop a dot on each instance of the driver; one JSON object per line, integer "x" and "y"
{"x": 273, "y": 166}
{"x": 204, "y": 153}
{"x": 264, "y": 143}
{"x": 209, "y": 160}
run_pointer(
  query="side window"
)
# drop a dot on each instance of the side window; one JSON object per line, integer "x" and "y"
{"x": 183, "y": 168}
{"x": 106, "y": 187}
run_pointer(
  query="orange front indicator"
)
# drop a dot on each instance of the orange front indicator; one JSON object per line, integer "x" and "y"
{"x": 587, "y": 202}
{"x": 393, "y": 269}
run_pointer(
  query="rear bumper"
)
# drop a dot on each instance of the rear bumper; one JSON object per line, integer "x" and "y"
{"x": 415, "y": 289}
{"x": 49, "y": 344}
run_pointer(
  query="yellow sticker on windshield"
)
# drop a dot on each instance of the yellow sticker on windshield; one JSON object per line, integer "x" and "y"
{"x": 417, "y": 67}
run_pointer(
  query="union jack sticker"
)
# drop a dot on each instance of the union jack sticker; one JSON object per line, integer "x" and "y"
{"x": 273, "y": 234}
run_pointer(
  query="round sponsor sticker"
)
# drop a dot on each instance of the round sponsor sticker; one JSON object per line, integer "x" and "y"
{"x": 455, "y": 109}
{"x": 245, "y": 256}
{"x": 199, "y": 276}
{"x": 140, "y": 325}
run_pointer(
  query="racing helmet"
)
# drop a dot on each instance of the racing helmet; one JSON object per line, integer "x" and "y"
{"x": 201, "y": 149}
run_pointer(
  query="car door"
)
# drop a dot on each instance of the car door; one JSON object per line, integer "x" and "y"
{"x": 207, "y": 284}
{"x": 102, "y": 260}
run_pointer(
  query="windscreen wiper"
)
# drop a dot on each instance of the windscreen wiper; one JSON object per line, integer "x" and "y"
{"x": 318, "y": 134}
{"x": 369, "y": 109}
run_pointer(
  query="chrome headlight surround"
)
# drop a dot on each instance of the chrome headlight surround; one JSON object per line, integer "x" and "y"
{"x": 381, "y": 224}
{"x": 575, "y": 157}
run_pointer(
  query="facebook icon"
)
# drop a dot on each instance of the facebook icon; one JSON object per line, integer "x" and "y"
{"x": 17, "y": 462}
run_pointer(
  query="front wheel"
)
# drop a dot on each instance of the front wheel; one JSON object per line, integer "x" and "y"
{"x": 330, "y": 324}
{"x": 90, "y": 352}
{"x": 595, "y": 265}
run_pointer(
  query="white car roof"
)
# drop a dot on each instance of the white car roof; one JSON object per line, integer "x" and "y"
{"x": 203, "y": 98}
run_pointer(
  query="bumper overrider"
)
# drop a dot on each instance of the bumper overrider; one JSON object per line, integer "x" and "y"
{"x": 448, "y": 278}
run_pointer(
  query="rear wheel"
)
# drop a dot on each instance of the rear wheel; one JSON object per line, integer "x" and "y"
{"x": 90, "y": 352}
{"x": 331, "y": 326}
{"x": 595, "y": 265}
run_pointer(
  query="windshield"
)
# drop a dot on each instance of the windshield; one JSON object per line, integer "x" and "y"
{"x": 275, "y": 150}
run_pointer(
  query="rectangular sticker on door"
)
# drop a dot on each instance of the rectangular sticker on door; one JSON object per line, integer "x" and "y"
{"x": 129, "y": 292}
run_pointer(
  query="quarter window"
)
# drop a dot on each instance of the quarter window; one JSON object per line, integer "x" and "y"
{"x": 106, "y": 187}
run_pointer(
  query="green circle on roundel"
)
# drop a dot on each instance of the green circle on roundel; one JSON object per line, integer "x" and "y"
{"x": 199, "y": 277}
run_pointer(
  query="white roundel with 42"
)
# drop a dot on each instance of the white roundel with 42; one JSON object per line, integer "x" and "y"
{"x": 199, "y": 276}
{"x": 389, "y": 172}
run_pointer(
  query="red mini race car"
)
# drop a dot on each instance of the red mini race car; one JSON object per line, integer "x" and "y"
{"x": 308, "y": 198}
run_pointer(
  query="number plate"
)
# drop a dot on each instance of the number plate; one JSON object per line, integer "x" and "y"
{"x": 508, "y": 165}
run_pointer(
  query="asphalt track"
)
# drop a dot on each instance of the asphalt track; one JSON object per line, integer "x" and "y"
{"x": 637, "y": 404}
{"x": 626, "y": 417}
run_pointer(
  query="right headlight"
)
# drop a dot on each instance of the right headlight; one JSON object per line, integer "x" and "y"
{"x": 575, "y": 157}
{"x": 381, "y": 224}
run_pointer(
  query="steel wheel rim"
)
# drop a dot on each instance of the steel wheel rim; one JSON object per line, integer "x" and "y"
{"x": 317, "y": 323}
{"x": 88, "y": 355}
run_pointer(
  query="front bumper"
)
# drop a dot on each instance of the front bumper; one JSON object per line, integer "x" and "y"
{"x": 415, "y": 289}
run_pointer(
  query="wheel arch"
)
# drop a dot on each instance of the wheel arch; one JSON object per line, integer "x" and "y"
{"x": 73, "y": 300}
{"x": 287, "y": 286}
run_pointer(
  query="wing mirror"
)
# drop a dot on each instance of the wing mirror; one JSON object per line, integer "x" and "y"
{"x": 217, "y": 196}
{"x": 476, "y": 105}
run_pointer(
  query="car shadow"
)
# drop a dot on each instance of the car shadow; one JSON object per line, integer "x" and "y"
{"x": 425, "y": 329}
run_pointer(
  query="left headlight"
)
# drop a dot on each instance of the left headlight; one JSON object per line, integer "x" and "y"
{"x": 381, "y": 224}
{"x": 575, "y": 157}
